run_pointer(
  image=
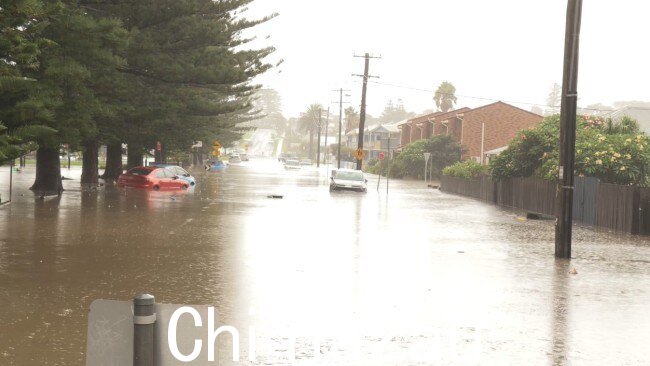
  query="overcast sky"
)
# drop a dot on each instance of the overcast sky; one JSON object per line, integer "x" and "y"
{"x": 508, "y": 50}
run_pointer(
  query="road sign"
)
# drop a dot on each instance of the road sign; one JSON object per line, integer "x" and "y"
{"x": 216, "y": 144}
{"x": 359, "y": 154}
{"x": 381, "y": 155}
{"x": 427, "y": 156}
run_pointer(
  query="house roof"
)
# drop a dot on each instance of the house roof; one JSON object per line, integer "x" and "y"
{"x": 500, "y": 102}
{"x": 389, "y": 127}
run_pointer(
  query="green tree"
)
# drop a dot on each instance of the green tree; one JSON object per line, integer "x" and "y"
{"x": 410, "y": 162}
{"x": 22, "y": 113}
{"x": 308, "y": 124}
{"x": 188, "y": 70}
{"x": 71, "y": 69}
{"x": 445, "y": 96}
{"x": 351, "y": 119}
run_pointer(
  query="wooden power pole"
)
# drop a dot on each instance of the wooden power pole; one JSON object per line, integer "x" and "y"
{"x": 362, "y": 113}
{"x": 564, "y": 224}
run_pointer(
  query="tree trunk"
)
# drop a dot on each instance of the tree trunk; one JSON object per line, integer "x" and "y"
{"x": 113, "y": 161}
{"x": 48, "y": 171}
{"x": 311, "y": 143}
{"x": 134, "y": 156}
{"x": 90, "y": 167}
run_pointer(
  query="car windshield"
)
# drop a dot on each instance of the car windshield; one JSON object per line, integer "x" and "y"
{"x": 346, "y": 175}
{"x": 140, "y": 171}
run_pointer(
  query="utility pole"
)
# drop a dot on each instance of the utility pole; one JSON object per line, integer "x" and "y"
{"x": 362, "y": 113}
{"x": 327, "y": 123}
{"x": 388, "y": 165}
{"x": 564, "y": 223}
{"x": 340, "y": 102}
{"x": 320, "y": 115}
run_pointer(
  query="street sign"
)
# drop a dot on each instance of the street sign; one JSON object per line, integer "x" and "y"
{"x": 197, "y": 144}
{"x": 183, "y": 334}
{"x": 381, "y": 155}
{"x": 359, "y": 154}
{"x": 427, "y": 156}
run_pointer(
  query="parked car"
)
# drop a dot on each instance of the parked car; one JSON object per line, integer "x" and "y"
{"x": 234, "y": 158}
{"x": 244, "y": 157}
{"x": 284, "y": 157}
{"x": 292, "y": 165}
{"x": 305, "y": 162}
{"x": 152, "y": 177}
{"x": 180, "y": 172}
{"x": 348, "y": 179}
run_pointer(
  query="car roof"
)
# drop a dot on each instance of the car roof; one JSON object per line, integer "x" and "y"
{"x": 348, "y": 170}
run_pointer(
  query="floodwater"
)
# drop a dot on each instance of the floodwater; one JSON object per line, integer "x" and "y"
{"x": 412, "y": 277}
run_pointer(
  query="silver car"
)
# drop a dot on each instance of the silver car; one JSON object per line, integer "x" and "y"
{"x": 348, "y": 179}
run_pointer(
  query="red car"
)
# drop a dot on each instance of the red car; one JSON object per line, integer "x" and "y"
{"x": 151, "y": 177}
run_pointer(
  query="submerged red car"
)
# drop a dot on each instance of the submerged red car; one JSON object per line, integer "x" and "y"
{"x": 151, "y": 177}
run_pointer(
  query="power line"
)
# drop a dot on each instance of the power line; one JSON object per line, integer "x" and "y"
{"x": 496, "y": 100}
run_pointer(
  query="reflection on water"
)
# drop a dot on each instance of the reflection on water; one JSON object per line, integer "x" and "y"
{"x": 415, "y": 277}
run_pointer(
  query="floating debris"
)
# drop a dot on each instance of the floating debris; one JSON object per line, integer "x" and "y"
{"x": 573, "y": 271}
{"x": 275, "y": 196}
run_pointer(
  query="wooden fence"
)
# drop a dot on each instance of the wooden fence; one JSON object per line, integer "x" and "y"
{"x": 614, "y": 207}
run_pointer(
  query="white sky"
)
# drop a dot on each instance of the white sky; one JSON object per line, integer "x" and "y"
{"x": 508, "y": 50}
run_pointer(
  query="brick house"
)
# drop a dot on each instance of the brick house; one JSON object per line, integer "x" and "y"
{"x": 492, "y": 126}
{"x": 485, "y": 129}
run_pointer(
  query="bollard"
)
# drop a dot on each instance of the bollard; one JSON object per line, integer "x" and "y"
{"x": 144, "y": 319}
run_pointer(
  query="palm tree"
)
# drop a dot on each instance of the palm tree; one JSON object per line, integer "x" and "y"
{"x": 445, "y": 96}
{"x": 351, "y": 119}
{"x": 308, "y": 123}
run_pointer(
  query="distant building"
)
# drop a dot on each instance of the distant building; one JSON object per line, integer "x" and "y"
{"x": 375, "y": 139}
{"x": 640, "y": 114}
{"x": 481, "y": 130}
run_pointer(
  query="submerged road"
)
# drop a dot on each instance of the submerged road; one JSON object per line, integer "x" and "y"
{"x": 415, "y": 277}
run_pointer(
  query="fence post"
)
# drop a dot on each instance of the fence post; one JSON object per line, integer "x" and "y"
{"x": 144, "y": 319}
{"x": 636, "y": 205}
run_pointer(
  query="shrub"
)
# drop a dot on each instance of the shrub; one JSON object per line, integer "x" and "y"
{"x": 613, "y": 152}
{"x": 410, "y": 162}
{"x": 467, "y": 169}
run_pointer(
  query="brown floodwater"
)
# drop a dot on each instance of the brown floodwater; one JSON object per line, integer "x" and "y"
{"x": 412, "y": 277}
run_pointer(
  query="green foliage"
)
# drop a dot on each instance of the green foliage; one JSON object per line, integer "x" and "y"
{"x": 467, "y": 169}
{"x": 20, "y": 141}
{"x": 614, "y": 152}
{"x": 410, "y": 162}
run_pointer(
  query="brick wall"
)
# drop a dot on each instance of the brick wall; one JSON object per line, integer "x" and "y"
{"x": 502, "y": 122}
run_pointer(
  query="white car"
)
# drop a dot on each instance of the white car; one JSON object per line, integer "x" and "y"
{"x": 292, "y": 165}
{"x": 348, "y": 179}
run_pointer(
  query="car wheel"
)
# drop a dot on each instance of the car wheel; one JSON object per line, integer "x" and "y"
{"x": 184, "y": 187}
{"x": 155, "y": 188}
{"x": 192, "y": 183}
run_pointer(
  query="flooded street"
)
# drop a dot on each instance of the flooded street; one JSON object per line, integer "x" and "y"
{"x": 412, "y": 277}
